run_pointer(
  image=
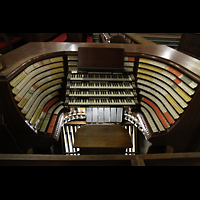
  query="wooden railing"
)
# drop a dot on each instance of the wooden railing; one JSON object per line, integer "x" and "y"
{"x": 133, "y": 38}
{"x": 169, "y": 159}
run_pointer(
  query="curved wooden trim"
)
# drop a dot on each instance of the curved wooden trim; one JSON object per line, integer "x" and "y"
{"x": 30, "y": 53}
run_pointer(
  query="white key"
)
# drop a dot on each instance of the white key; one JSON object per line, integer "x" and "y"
{"x": 113, "y": 114}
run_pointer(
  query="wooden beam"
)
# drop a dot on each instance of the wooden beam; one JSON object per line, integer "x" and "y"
{"x": 168, "y": 159}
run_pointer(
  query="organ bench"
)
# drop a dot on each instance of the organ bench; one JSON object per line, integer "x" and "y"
{"x": 50, "y": 90}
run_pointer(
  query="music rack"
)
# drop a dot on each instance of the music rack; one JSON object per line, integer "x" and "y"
{"x": 48, "y": 93}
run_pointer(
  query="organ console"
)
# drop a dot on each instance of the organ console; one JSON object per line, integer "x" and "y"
{"x": 51, "y": 90}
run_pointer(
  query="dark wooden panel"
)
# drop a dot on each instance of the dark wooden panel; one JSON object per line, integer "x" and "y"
{"x": 190, "y": 44}
{"x": 100, "y": 58}
{"x": 74, "y": 37}
{"x": 171, "y": 159}
{"x": 39, "y": 37}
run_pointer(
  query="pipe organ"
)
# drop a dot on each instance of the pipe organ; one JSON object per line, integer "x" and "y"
{"x": 50, "y": 90}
